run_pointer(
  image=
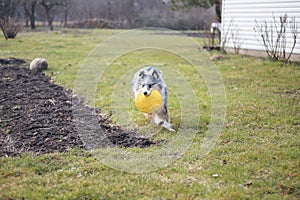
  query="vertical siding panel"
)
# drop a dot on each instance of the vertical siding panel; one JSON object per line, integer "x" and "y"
{"x": 244, "y": 13}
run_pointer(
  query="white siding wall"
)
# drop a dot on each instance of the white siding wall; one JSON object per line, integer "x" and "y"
{"x": 243, "y": 14}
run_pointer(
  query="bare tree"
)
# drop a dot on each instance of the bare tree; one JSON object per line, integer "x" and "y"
{"x": 109, "y": 10}
{"x": 131, "y": 14}
{"x": 8, "y": 22}
{"x": 294, "y": 31}
{"x": 66, "y": 6}
{"x": 48, "y": 6}
{"x": 225, "y": 34}
{"x": 8, "y": 8}
{"x": 29, "y": 8}
{"x": 10, "y": 27}
{"x": 200, "y": 3}
{"x": 273, "y": 36}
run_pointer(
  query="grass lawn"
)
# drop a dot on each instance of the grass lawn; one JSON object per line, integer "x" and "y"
{"x": 257, "y": 155}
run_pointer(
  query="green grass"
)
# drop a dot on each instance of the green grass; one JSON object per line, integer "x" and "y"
{"x": 256, "y": 156}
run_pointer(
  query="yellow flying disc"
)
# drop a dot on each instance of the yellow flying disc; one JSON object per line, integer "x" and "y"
{"x": 150, "y": 103}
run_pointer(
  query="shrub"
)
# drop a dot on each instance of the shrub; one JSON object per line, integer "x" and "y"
{"x": 273, "y": 36}
{"x": 10, "y": 27}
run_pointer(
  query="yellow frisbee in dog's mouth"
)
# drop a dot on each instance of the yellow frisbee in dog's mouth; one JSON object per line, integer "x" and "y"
{"x": 150, "y": 103}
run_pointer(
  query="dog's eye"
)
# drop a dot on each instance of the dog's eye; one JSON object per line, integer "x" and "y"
{"x": 143, "y": 85}
{"x": 150, "y": 86}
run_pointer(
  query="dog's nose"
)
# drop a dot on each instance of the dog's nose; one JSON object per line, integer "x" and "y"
{"x": 145, "y": 93}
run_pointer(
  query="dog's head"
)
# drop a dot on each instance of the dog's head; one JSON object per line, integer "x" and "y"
{"x": 148, "y": 78}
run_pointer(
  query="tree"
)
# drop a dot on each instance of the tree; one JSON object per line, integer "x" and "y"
{"x": 178, "y": 4}
{"x": 273, "y": 36}
{"x": 66, "y": 5}
{"x": 49, "y": 5}
{"x": 8, "y": 8}
{"x": 29, "y": 8}
{"x": 8, "y": 23}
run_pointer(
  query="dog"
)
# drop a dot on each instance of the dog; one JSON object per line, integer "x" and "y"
{"x": 144, "y": 81}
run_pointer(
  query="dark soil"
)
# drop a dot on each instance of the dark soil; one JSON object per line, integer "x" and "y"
{"x": 12, "y": 61}
{"x": 37, "y": 116}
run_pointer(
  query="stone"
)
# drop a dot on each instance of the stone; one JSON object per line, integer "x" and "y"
{"x": 39, "y": 64}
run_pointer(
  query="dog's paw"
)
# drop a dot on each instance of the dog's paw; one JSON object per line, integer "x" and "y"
{"x": 168, "y": 126}
{"x": 171, "y": 129}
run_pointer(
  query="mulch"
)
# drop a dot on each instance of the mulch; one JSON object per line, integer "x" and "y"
{"x": 37, "y": 116}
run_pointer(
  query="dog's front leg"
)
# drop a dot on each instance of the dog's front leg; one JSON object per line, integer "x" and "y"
{"x": 157, "y": 120}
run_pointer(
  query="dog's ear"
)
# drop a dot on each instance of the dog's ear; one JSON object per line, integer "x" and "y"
{"x": 155, "y": 75}
{"x": 142, "y": 74}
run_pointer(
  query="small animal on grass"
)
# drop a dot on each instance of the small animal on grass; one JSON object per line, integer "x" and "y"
{"x": 145, "y": 81}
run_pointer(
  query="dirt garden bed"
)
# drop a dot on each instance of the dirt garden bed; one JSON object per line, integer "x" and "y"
{"x": 36, "y": 116}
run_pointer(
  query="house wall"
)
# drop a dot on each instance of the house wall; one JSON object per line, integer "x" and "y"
{"x": 238, "y": 17}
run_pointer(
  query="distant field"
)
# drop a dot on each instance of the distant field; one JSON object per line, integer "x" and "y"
{"x": 257, "y": 155}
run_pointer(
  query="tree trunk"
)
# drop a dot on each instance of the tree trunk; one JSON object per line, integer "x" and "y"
{"x": 50, "y": 24}
{"x": 32, "y": 16}
{"x": 109, "y": 13}
{"x": 3, "y": 29}
{"x": 218, "y": 4}
{"x": 32, "y": 22}
{"x": 66, "y": 17}
{"x": 219, "y": 16}
{"x": 48, "y": 5}
{"x": 30, "y": 13}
